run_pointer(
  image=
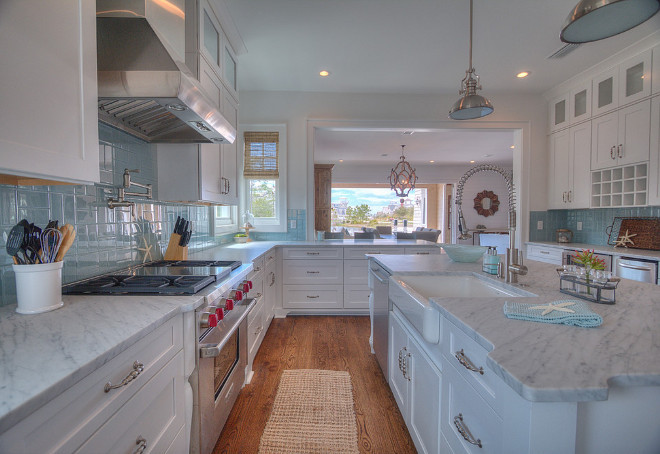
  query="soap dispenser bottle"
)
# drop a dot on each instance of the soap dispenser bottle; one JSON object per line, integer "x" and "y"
{"x": 490, "y": 261}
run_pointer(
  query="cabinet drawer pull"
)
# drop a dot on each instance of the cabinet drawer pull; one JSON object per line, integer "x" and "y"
{"x": 612, "y": 153}
{"x": 460, "y": 356}
{"x": 272, "y": 279}
{"x": 312, "y": 297}
{"x": 312, "y": 272}
{"x": 619, "y": 150}
{"x": 406, "y": 365}
{"x": 138, "y": 367}
{"x": 464, "y": 431}
{"x": 258, "y": 296}
{"x": 313, "y": 253}
{"x": 400, "y": 360}
{"x": 545, "y": 252}
{"x": 256, "y": 269}
{"x": 141, "y": 445}
{"x": 423, "y": 253}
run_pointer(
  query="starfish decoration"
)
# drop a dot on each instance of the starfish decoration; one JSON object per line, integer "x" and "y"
{"x": 561, "y": 307}
{"x": 147, "y": 251}
{"x": 625, "y": 239}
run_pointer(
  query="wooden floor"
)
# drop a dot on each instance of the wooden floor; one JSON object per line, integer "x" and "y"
{"x": 311, "y": 342}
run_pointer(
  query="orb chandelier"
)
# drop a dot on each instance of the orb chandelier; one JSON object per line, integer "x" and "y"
{"x": 402, "y": 177}
{"x": 471, "y": 105}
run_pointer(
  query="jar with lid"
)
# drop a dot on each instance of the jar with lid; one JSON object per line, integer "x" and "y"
{"x": 564, "y": 236}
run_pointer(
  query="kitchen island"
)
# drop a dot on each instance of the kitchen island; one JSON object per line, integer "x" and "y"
{"x": 593, "y": 388}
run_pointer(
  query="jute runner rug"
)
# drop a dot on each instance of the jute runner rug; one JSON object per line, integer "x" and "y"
{"x": 312, "y": 413}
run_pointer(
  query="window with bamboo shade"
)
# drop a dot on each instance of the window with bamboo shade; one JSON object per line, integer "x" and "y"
{"x": 261, "y": 155}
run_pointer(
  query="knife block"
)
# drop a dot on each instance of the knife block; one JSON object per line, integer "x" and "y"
{"x": 174, "y": 251}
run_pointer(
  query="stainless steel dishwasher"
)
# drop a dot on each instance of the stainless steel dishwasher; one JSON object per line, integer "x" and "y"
{"x": 636, "y": 269}
{"x": 379, "y": 310}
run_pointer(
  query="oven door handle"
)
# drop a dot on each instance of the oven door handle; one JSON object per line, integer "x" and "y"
{"x": 213, "y": 350}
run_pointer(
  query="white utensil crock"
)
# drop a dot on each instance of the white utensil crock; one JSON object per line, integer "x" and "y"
{"x": 38, "y": 287}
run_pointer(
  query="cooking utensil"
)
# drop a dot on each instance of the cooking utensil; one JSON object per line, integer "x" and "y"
{"x": 177, "y": 224}
{"x": 68, "y": 235}
{"x": 52, "y": 224}
{"x": 31, "y": 243}
{"x": 51, "y": 240}
{"x": 15, "y": 241}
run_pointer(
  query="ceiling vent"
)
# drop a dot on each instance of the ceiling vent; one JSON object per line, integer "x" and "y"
{"x": 563, "y": 51}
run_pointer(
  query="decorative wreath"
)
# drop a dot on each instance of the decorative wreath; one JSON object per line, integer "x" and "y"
{"x": 486, "y": 203}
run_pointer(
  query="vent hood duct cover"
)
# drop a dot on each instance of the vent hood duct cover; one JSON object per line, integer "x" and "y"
{"x": 146, "y": 92}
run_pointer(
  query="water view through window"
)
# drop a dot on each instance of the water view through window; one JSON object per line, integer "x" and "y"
{"x": 355, "y": 208}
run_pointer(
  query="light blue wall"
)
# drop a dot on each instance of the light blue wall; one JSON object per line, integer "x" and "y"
{"x": 107, "y": 240}
{"x": 594, "y": 222}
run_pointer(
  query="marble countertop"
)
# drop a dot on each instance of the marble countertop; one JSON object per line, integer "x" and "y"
{"x": 628, "y": 252}
{"x": 41, "y": 355}
{"x": 546, "y": 362}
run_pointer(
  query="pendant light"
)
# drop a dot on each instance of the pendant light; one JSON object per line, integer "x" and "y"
{"x": 402, "y": 177}
{"x": 471, "y": 105}
{"x": 592, "y": 20}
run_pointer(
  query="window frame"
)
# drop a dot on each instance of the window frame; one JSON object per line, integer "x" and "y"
{"x": 224, "y": 225}
{"x": 279, "y": 222}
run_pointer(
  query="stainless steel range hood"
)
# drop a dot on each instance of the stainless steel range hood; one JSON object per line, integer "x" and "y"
{"x": 144, "y": 87}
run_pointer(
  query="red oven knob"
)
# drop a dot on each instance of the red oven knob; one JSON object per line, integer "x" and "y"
{"x": 236, "y": 295}
{"x": 208, "y": 320}
{"x": 220, "y": 312}
{"x": 229, "y": 304}
{"x": 247, "y": 286}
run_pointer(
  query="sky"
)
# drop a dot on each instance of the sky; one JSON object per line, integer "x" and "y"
{"x": 376, "y": 198}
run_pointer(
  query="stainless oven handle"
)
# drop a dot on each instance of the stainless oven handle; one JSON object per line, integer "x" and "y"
{"x": 213, "y": 350}
{"x": 633, "y": 267}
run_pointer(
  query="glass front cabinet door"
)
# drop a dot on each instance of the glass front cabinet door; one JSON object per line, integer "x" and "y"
{"x": 635, "y": 78}
{"x": 580, "y": 103}
{"x": 606, "y": 92}
{"x": 559, "y": 113}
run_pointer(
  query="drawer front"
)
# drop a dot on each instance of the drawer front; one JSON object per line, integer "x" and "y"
{"x": 313, "y": 296}
{"x": 67, "y": 421}
{"x": 356, "y": 296}
{"x": 259, "y": 264}
{"x": 544, "y": 254}
{"x": 312, "y": 253}
{"x": 358, "y": 253}
{"x": 477, "y": 417}
{"x": 356, "y": 272}
{"x": 270, "y": 257}
{"x": 155, "y": 415}
{"x": 430, "y": 250}
{"x": 465, "y": 354}
{"x": 304, "y": 272}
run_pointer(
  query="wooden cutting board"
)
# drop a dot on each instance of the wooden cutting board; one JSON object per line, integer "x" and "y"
{"x": 646, "y": 231}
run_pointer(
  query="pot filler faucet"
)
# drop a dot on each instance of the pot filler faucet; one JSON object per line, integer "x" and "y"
{"x": 122, "y": 192}
{"x": 513, "y": 261}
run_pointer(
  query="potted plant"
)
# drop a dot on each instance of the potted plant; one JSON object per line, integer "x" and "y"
{"x": 240, "y": 238}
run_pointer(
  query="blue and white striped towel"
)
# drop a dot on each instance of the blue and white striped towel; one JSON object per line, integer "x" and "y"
{"x": 581, "y": 315}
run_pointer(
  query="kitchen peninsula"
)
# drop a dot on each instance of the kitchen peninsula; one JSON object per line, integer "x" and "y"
{"x": 598, "y": 389}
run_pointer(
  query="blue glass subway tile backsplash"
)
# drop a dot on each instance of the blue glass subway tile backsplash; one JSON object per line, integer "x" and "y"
{"x": 594, "y": 222}
{"x": 108, "y": 240}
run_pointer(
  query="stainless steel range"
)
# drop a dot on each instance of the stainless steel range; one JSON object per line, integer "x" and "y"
{"x": 219, "y": 375}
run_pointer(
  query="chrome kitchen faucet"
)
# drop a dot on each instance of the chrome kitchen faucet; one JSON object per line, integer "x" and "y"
{"x": 513, "y": 261}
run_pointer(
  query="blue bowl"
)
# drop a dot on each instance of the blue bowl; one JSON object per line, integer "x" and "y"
{"x": 464, "y": 252}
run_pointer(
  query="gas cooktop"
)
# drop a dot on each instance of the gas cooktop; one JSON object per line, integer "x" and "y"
{"x": 131, "y": 285}
{"x": 166, "y": 277}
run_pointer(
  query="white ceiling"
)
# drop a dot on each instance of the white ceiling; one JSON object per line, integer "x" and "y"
{"x": 448, "y": 146}
{"x": 411, "y": 46}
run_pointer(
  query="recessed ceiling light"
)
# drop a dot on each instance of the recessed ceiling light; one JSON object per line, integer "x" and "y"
{"x": 431, "y": 161}
{"x": 522, "y": 75}
{"x": 512, "y": 147}
{"x": 488, "y": 155}
{"x": 341, "y": 160}
{"x": 324, "y": 73}
{"x": 471, "y": 162}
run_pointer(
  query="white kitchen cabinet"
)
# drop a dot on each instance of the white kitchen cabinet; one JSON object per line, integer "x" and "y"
{"x": 621, "y": 137}
{"x": 547, "y": 254}
{"x": 416, "y": 384}
{"x": 635, "y": 78}
{"x": 569, "y": 170}
{"x": 559, "y": 112}
{"x": 654, "y": 162}
{"x": 150, "y": 404}
{"x": 49, "y": 125}
{"x": 580, "y": 103}
{"x": 605, "y": 92}
{"x": 312, "y": 296}
{"x": 310, "y": 272}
